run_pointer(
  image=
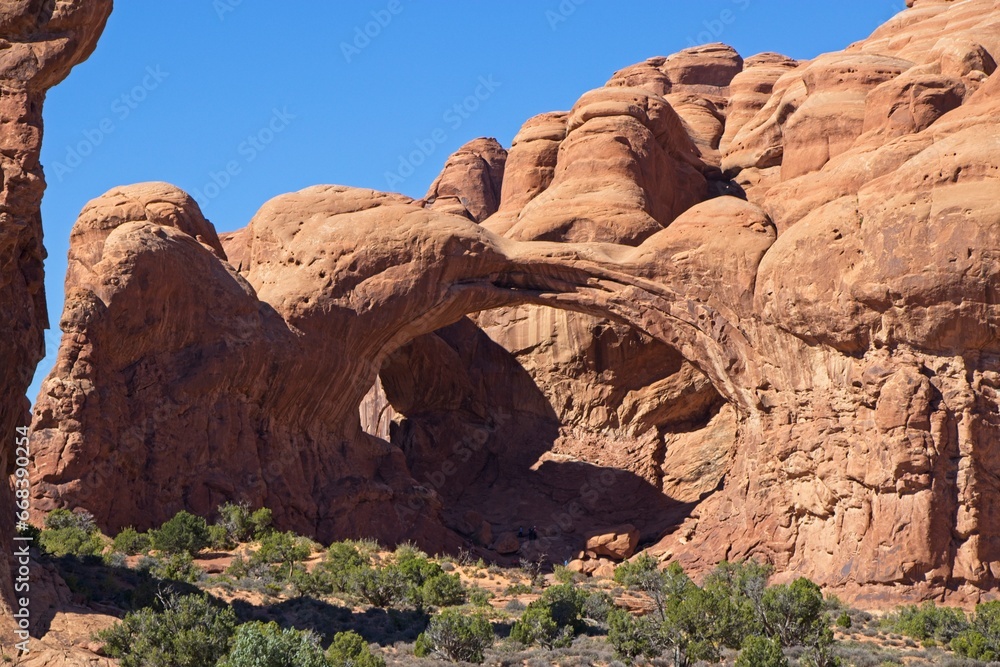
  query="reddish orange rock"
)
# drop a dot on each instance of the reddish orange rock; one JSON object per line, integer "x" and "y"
{"x": 804, "y": 376}
{"x": 471, "y": 180}
{"x": 40, "y": 45}
{"x": 618, "y": 543}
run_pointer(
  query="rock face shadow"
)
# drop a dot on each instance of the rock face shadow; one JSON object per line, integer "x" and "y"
{"x": 479, "y": 431}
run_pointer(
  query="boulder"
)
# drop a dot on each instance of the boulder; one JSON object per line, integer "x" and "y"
{"x": 618, "y": 543}
{"x": 507, "y": 543}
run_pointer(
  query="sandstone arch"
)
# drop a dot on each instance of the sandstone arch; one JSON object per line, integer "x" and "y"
{"x": 289, "y": 352}
{"x": 856, "y": 336}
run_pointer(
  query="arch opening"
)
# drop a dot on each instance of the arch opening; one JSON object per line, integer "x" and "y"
{"x": 539, "y": 417}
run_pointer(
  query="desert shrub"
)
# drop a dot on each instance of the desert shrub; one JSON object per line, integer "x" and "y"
{"x": 643, "y": 574}
{"x": 146, "y": 563}
{"x": 515, "y": 606}
{"x": 517, "y": 589}
{"x": 260, "y": 522}
{"x": 349, "y": 649}
{"x": 479, "y": 596}
{"x": 307, "y": 584}
{"x": 553, "y": 619}
{"x": 867, "y": 654}
{"x": 338, "y": 565}
{"x": 696, "y": 623}
{"x": 859, "y": 617}
{"x": 760, "y": 651}
{"x": 415, "y": 566}
{"x": 981, "y": 641}
{"x": 563, "y": 574}
{"x": 131, "y": 542}
{"x": 685, "y": 625}
{"x": 423, "y": 647}
{"x": 443, "y": 590}
{"x": 259, "y": 644}
{"x": 417, "y": 569}
{"x": 258, "y": 576}
{"x": 566, "y": 603}
{"x": 218, "y": 537}
{"x": 794, "y": 616}
{"x": 928, "y": 621}
{"x": 692, "y": 629}
{"x": 70, "y": 534}
{"x": 62, "y": 518}
{"x": 735, "y": 593}
{"x": 367, "y": 546}
{"x": 844, "y": 620}
{"x": 536, "y": 626}
{"x": 973, "y": 644}
{"x": 379, "y": 586}
{"x": 29, "y": 532}
{"x": 185, "y": 532}
{"x": 688, "y": 614}
{"x": 282, "y": 549}
{"x": 597, "y": 606}
{"x": 188, "y": 631}
{"x": 70, "y": 540}
{"x": 234, "y": 518}
{"x": 456, "y": 635}
{"x": 793, "y": 613}
{"x": 633, "y": 637}
{"x": 238, "y": 568}
{"x": 177, "y": 567}
{"x": 115, "y": 559}
{"x": 533, "y": 569}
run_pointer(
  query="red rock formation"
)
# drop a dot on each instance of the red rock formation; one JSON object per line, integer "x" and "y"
{"x": 626, "y": 169}
{"x": 530, "y": 168}
{"x": 41, "y": 43}
{"x": 617, "y": 543}
{"x": 615, "y": 390}
{"x": 846, "y": 316}
{"x": 470, "y": 183}
{"x": 696, "y": 84}
{"x": 750, "y": 91}
{"x": 869, "y": 462}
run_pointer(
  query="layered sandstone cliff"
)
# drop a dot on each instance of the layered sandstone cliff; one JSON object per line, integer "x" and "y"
{"x": 747, "y": 306}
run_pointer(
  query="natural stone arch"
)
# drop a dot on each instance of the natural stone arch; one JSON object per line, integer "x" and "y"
{"x": 338, "y": 279}
{"x": 540, "y": 416}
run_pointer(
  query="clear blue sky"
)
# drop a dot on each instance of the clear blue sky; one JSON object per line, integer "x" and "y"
{"x": 291, "y": 94}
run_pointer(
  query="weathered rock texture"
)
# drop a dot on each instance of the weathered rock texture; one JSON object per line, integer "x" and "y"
{"x": 806, "y": 372}
{"x": 41, "y": 42}
{"x": 470, "y": 183}
{"x": 618, "y": 543}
